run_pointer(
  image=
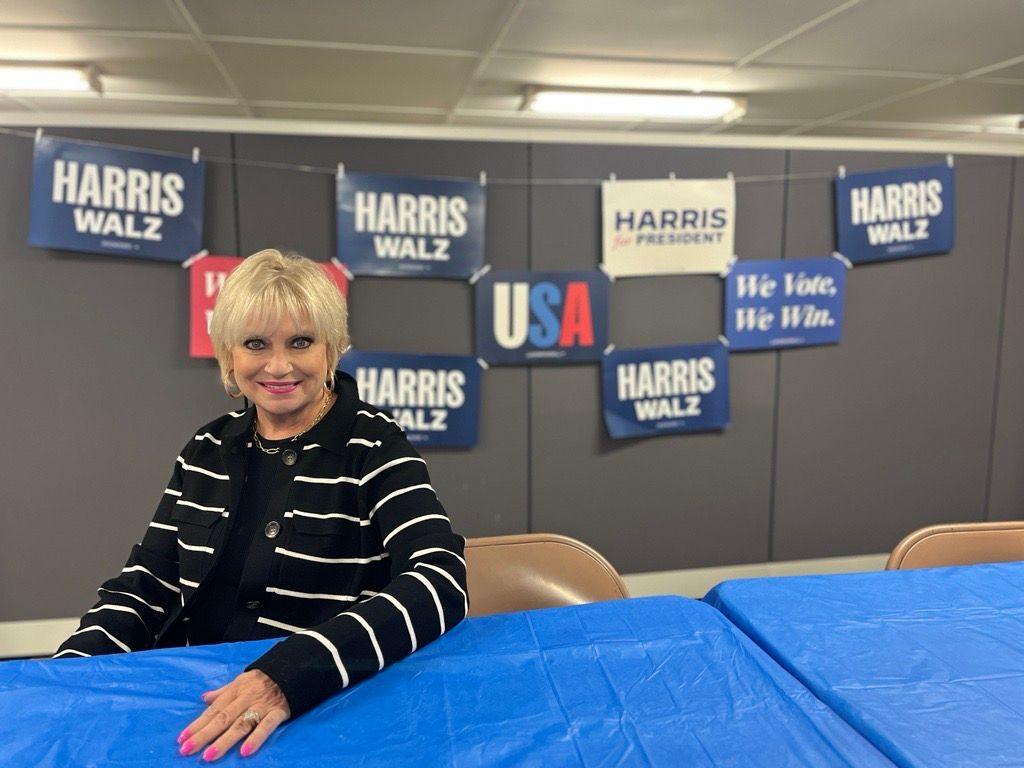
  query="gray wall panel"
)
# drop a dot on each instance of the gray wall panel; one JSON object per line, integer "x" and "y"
{"x": 1006, "y": 496}
{"x": 674, "y": 501}
{"x": 103, "y": 394}
{"x": 484, "y": 490}
{"x": 890, "y": 430}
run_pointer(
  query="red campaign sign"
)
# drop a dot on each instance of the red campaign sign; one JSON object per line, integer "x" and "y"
{"x": 206, "y": 278}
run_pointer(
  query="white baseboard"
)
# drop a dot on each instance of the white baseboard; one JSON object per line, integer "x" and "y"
{"x": 21, "y": 639}
{"x": 695, "y": 582}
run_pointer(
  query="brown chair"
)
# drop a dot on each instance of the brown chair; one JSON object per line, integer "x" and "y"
{"x": 536, "y": 570}
{"x": 959, "y": 544}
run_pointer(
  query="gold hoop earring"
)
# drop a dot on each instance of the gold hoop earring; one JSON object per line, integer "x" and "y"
{"x": 331, "y": 381}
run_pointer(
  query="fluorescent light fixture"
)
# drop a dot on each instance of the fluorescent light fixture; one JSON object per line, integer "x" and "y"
{"x": 640, "y": 105}
{"x": 45, "y": 77}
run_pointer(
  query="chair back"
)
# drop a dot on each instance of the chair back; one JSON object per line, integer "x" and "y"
{"x": 536, "y": 570}
{"x": 959, "y": 544}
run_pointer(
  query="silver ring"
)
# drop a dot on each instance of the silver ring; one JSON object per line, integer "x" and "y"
{"x": 251, "y": 718}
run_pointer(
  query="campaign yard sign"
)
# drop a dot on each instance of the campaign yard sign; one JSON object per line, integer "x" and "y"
{"x": 541, "y": 317}
{"x": 410, "y": 226}
{"x": 666, "y": 390}
{"x": 434, "y": 398}
{"x": 99, "y": 199}
{"x": 895, "y": 214}
{"x": 796, "y": 302}
{"x": 667, "y": 226}
{"x": 206, "y": 278}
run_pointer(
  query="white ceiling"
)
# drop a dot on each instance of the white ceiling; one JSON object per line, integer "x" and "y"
{"x": 919, "y": 69}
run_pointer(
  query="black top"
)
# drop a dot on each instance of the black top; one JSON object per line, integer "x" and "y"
{"x": 229, "y": 605}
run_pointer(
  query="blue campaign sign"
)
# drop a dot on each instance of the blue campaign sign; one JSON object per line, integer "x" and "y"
{"x": 434, "y": 398}
{"x": 792, "y": 303}
{"x": 541, "y": 317}
{"x": 408, "y": 226}
{"x": 895, "y": 214}
{"x": 125, "y": 202}
{"x": 666, "y": 390}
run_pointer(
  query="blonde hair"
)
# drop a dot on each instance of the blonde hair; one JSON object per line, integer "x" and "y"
{"x": 265, "y": 288}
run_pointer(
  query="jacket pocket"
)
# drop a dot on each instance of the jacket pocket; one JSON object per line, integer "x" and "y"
{"x": 327, "y": 524}
{"x": 325, "y": 552}
{"x": 196, "y": 528}
{"x": 204, "y": 518}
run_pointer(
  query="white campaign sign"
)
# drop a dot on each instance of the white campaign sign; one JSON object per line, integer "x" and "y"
{"x": 668, "y": 226}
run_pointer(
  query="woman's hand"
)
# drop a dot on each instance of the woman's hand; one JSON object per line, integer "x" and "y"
{"x": 221, "y": 725}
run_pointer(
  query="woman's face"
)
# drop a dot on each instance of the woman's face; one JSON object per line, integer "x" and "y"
{"x": 281, "y": 371}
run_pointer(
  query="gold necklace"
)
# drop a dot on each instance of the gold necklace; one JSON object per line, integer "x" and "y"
{"x": 328, "y": 399}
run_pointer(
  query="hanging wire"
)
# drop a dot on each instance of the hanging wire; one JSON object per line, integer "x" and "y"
{"x": 332, "y": 170}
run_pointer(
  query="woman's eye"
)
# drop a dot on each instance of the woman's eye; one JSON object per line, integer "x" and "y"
{"x": 303, "y": 343}
{"x": 253, "y": 344}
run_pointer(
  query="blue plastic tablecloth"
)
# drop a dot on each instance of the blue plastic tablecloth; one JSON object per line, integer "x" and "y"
{"x": 928, "y": 664}
{"x": 654, "y": 681}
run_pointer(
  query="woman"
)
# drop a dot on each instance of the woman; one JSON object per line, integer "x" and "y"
{"x": 309, "y": 515}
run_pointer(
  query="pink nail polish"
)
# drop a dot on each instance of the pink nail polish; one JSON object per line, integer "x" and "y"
{"x": 183, "y": 735}
{"x": 210, "y": 753}
{"x": 246, "y": 750}
{"x": 186, "y": 747}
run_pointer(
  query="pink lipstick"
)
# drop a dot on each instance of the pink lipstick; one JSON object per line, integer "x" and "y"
{"x": 282, "y": 388}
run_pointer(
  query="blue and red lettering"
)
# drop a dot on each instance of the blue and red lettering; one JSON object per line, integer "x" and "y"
{"x": 542, "y": 315}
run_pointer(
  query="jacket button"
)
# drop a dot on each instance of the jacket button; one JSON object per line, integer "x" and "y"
{"x": 253, "y": 605}
{"x": 273, "y": 528}
{"x": 289, "y": 457}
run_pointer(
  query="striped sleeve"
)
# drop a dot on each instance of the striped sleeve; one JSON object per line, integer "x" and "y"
{"x": 133, "y": 606}
{"x": 425, "y": 597}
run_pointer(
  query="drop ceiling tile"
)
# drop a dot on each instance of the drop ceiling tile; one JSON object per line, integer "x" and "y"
{"x": 946, "y": 36}
{"x": 125, "y": 65}
{"x": 812, "y": 95}
{"x": 293, "y": 74}
{"x": 459, "y": 24}
{"x": 341, "y": 115}
{"x": 717, "y": 30}
{"x": 148, "y": 15}
{"x": 963, "y": 102}
{"x": 1013, "y": 72}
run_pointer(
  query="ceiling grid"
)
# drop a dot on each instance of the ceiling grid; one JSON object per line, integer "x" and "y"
{"x": 197, "y": 37}
{"x": 854, "y": 69}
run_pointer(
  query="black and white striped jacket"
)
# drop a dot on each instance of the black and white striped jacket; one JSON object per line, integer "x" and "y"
{"x": 366, "y": 568}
